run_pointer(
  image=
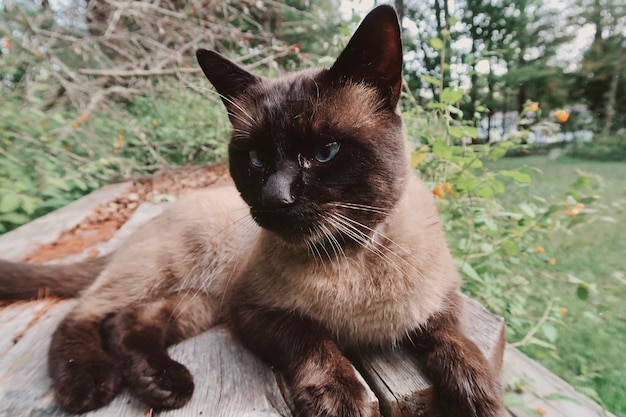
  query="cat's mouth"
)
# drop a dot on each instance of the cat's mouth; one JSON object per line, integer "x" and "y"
{"x": 307, "y": 226}
{"x": 295, "y": 225}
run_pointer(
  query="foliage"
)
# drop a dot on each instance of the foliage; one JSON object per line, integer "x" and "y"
{"x": 82, "y": 107}
{"x": 502, "y": 234}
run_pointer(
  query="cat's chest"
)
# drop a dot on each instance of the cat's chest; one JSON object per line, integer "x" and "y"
{"x": 361, "y": 300}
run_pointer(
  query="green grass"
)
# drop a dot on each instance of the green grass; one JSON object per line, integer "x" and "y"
{"x": 591, "y": 343}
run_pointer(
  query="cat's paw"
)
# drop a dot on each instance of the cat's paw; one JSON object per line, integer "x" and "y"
{"x": 161, "y": 383}
{"x": 332, "y": 393}
{"x": 81, "y": 385}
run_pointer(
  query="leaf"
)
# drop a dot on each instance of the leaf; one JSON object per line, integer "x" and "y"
{"x": 582, "y": 291}
{"x": 451, "y": 95}
{"x": 516, "y": 176}
{"x": 30, "y": 204}
{"x": 9, "y": 203}
{"x": 430, "y": 79}
{"x": 510, "y": 247}
{"x": 441, "y": 149}
{"x": 436, "y": 43}
{"x": 550, "y": 332}
{"x": 539, "y": 342}
{"x": 470, "y": 272}
{"x": 14, "y": 218}
{"x": 418, "y": 156}
{"x": 527, "y": 210}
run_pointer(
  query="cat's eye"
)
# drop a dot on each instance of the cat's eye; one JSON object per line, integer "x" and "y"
{"x": 255, "y": 160}
{"x": 326, "y": 152}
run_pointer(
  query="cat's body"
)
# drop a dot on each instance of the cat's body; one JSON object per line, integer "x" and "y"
{"x": 335, "y": 245}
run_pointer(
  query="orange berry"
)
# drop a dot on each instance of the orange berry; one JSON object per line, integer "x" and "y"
{"x": 552, "y": 261}
{"x": 83, "y": 117}
{"x": 447, "y": 188}
{"x": 438, "y": 191}
{"x": 539, "y": 249}
{"x": 563, "y": 311}
{"x": 534, "y": 106}
{"x": 561, "y": 115}
{"x": 75, "y": 125}
{"x": 540, "y": 411}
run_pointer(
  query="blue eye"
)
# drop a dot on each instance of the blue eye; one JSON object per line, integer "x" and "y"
{"x": 325, "y": 153}
{"x": 255, "y": 160}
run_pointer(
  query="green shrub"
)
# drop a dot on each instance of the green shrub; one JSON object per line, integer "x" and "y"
{"x": 602, "y": 148}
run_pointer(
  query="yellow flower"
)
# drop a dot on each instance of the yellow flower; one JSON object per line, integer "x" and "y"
{"x": 552, "y": 261}
{"x": 539, "y": 249}
{"x": 561, "y": 115}
{"x": 534, "y": 107}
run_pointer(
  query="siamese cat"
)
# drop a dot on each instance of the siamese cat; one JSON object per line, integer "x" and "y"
{"x": 328, "y": 243}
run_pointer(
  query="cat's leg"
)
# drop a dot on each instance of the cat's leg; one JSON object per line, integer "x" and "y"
{"x": 465, "y": 384}
{"x": 138, "y": 336}
{"x": 321, "y": 380}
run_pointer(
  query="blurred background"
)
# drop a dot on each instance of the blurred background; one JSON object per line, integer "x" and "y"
{"x": 515, "y": 110}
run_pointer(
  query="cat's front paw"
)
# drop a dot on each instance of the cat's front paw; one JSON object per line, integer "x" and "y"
{"x": 82, "y": 385}
{"x": 332, "y": 393}
{"x": 160, "y": 382}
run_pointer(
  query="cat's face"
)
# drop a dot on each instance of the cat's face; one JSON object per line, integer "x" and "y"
{"x": 320, "y": 152}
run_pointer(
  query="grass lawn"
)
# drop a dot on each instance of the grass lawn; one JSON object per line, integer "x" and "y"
{"x": 592, "y": 343}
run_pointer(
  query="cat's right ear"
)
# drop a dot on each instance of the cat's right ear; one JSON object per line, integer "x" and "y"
{"x": 228, "y": 78}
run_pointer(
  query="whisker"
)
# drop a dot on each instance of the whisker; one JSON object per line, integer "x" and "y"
{"x": 362, "y": 207}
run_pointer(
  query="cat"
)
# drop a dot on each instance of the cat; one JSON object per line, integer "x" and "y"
{"x": 328, "y": 242}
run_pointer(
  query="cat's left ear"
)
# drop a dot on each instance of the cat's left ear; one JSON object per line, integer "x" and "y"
{"x": 228, "y": 78}
{"x": 374, "y": 54}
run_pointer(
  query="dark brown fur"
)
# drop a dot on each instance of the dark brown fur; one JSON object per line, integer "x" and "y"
{"x": 349, "y": 253}
{"x": 21, "y": 281}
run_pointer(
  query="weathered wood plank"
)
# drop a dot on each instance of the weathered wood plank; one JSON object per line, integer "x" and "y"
{"x": 24, "y": 383}
{"x": 230, "y": 381}
{"x": 544, "y": 390}
{"x": 397, "y": 377}
{"x": 46, "y": 229}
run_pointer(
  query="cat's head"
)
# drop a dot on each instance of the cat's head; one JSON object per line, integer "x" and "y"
{"x": 319, "y": 152}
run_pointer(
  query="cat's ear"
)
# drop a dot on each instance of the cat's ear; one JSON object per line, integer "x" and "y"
{"x": 374, "y": 54}
{"x": 228, "y": 78}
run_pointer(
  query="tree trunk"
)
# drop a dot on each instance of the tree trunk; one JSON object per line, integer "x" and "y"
{"x": 610, "y": 103}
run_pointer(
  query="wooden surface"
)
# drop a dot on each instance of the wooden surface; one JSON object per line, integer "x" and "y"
{"x": 543, "y": 390}
{"x": 229, "y": 380}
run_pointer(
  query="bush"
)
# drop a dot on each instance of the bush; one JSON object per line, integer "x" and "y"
{"x": 602, "y": 148}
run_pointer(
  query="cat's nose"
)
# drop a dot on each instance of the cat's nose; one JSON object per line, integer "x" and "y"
{"x": 277, "y": 191}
